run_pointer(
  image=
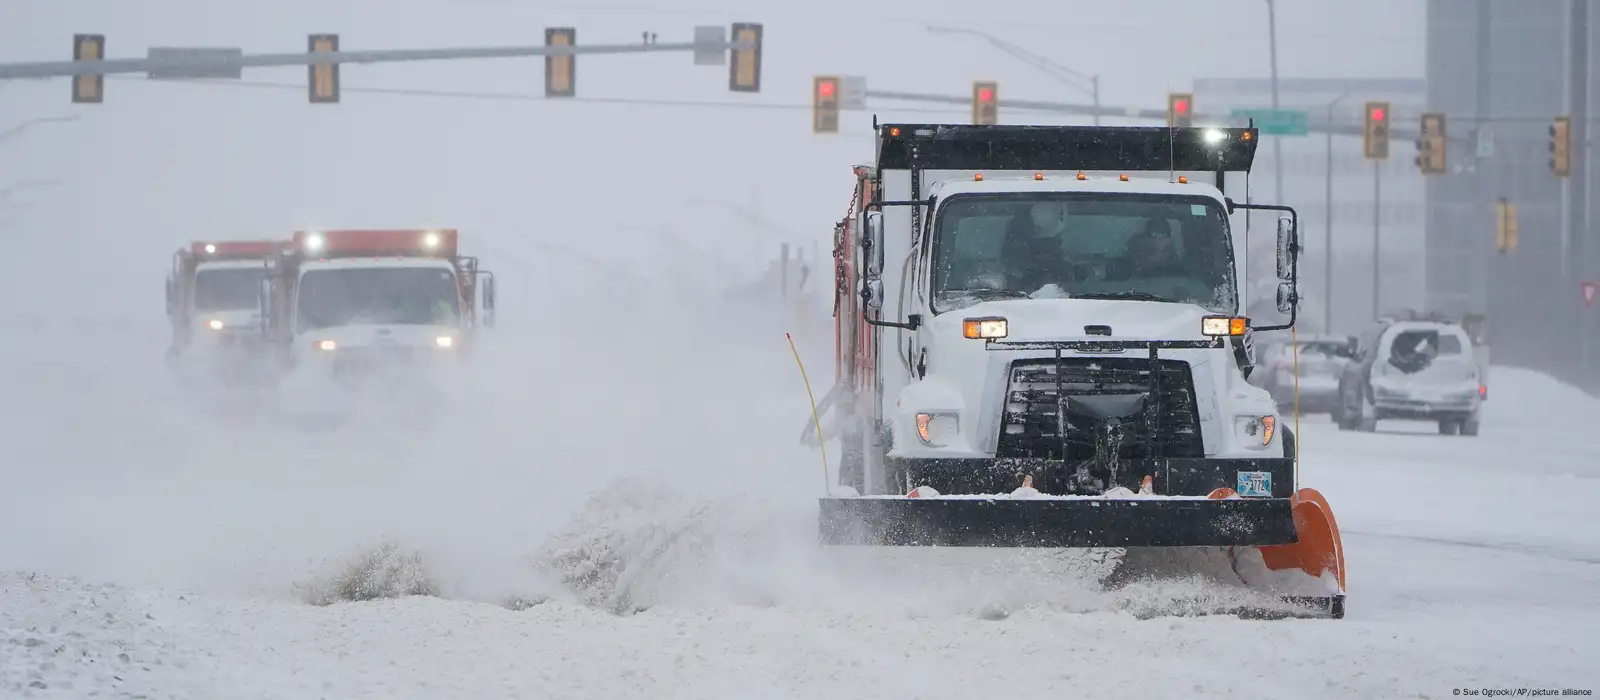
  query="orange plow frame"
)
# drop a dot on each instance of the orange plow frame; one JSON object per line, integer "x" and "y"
{"x": 1318, "y": 548}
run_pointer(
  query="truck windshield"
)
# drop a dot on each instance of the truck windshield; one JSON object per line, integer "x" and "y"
{"x": 228, "y": 288}
{"x": 1055, "y": 245}
{"x": 377, "y": 295}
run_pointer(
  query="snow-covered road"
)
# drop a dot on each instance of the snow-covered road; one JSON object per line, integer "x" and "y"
{"x": 147, "y": 557}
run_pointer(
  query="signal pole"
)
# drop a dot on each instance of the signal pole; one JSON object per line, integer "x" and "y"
{"x": 1377, "y": 225}
{"x": 1375, "y": 146}
{"x": 1327, "y": 226}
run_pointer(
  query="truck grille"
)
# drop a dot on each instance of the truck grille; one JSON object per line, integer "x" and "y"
{"x": 370, "y": 359}
{"x": 1100, "y": 392}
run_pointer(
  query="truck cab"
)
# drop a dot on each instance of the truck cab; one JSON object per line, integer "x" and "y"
{"x": 1056, "y": 306}
{"x": 212, "y": 295}
{"x": 346, "y": 305}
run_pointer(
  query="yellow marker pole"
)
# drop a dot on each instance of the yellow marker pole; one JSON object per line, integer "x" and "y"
{"x": 1294, "y": 347}
{"x": 816, "y": 418}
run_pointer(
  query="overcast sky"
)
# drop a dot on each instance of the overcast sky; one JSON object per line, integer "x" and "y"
{"x": 160, "y": 164}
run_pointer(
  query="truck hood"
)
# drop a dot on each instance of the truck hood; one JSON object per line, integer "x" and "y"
{"x": 384, "y": 335}
{"x": 1041, "y": 320}
{"x": 232, "y": 319}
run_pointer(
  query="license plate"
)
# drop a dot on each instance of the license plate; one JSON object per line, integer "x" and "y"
{"x": 1255, "y": 484}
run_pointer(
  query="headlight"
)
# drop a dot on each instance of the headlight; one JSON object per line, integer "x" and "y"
{"x": 1215, "y": 326}
{"x": 937, "y": 429}
{"x": 986, "y": 328}
{"x": 214, "y": 324}
{"x": 1255, "y": 432}
{"x": 1214, "y": 136}
{"x": 326, "y": 345}
{"x": 444, "y": 341}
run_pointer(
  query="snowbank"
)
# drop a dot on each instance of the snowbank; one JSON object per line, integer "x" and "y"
{"x": 1528, "y": 399}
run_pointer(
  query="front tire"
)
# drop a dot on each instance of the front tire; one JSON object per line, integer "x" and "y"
{"x": 853, "y": 461}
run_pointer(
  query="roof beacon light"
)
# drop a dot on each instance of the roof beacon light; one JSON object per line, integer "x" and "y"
{"x": 402, "y": 243}
{"x": 234, "y": 250}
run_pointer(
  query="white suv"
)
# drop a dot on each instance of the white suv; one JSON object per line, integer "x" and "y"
{"x": 1412, "y": 370}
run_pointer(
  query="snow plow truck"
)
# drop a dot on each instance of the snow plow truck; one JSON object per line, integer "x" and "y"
{"x": 381, "y": 313}
{"x": 211, "y": 303}
{"x": 1040, "y": 344}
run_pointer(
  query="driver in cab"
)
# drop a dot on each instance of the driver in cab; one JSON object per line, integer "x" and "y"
{"x": 1034, "y": 251}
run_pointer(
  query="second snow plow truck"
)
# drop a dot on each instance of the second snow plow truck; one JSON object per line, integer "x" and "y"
{"x": 380, "y": 313}
{"x": 211, "y": 303}
{"x": 1040, "y": 344}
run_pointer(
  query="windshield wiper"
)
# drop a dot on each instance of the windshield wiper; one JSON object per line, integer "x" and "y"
{"x": 1121, "y": 296}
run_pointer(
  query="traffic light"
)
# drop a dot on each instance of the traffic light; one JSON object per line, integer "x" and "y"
{"x": 560, "y": 71}
{"x": 1375, "y": 137}
{"x": 825, "y": 105}
{"x": 1561, "y": 147}
{"x": 1431, "y": 146}
{"x": 1180, "y": 109}
{"x": 985, "y": 110}
{"x": 90, "y": 89}
{"x": 744, "y": 71}
{"x": 324, "y": 77}
{"x": 1505, "y": 236}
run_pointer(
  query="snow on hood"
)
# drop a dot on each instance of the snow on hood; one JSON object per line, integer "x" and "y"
{"x": 1037, "y": 320}
{"x": 378, "y": 335}
{"x": 232, "y": 319}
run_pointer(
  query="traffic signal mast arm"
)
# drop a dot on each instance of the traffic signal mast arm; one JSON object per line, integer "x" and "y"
{"x": 89, "y": 64}
{"x": 1135, "y": 113}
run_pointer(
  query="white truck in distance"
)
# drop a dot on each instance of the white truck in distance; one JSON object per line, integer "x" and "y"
{"x": 373, "y": 309}
{"x": 1055, "y": 313}
{"x": 211, "y": 303}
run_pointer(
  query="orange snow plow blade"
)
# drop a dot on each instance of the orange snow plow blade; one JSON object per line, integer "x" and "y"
{"x": 1316, "y": 552}
{"x": 1319, "y": 549}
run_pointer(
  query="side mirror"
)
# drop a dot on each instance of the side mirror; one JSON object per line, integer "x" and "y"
{"x": 1286, "y": 250}
{"x": 872, "y": 245}
{"x": 872, "y": 294}
{"x": 1288, "y": 296}
{"x": 488, "y": 301}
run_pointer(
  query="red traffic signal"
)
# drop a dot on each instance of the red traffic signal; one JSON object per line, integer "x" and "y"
{"x": 1178, "y": 105}
{"x": 1377, "y": 114}
{"x": 985, "y": 110}
{"x": 825, "y": 104}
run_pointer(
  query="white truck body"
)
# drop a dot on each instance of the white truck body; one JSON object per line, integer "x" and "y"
{"x": 380, "y": 310}
{"x": 242, "y": 316}
{"x": 965, "y": 385}
{"x": 359, "y": 335}
{"x": 971, "y": 383}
